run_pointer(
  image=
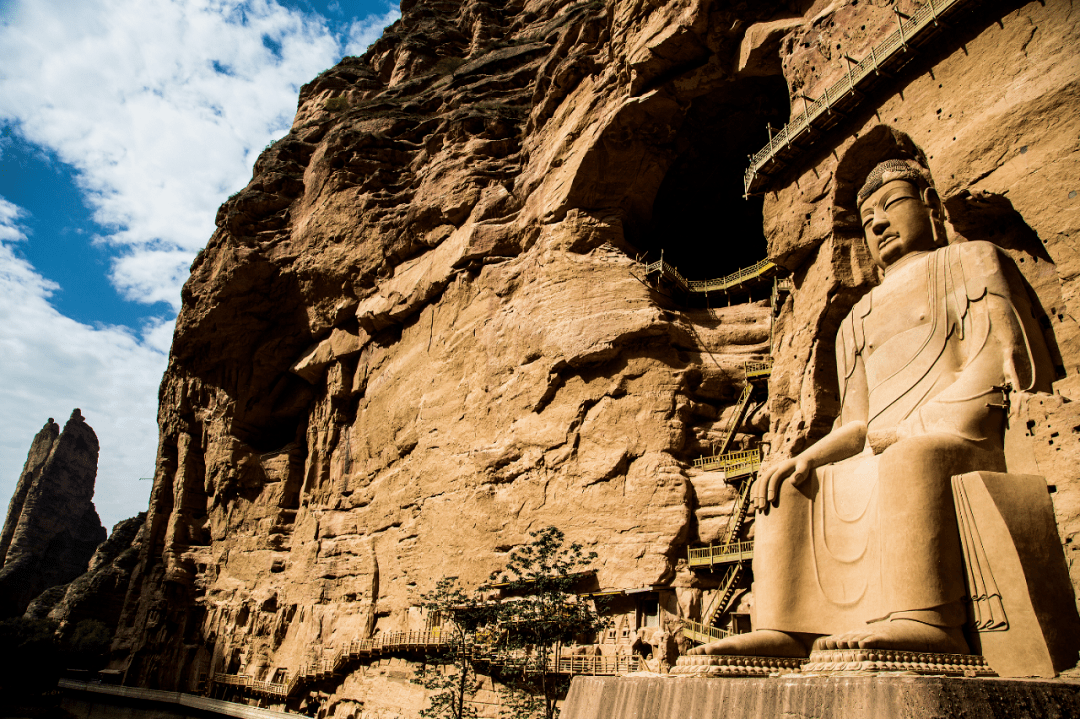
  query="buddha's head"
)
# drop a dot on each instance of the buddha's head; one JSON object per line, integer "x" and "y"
{"x": 900, "y": 211}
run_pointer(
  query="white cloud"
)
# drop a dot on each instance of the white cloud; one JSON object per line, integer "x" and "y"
{"x": 365, "y": 31}
{"x": 10, "y": 230}
{"x": 51, "y": 364}
{"x": 162, "y": 106}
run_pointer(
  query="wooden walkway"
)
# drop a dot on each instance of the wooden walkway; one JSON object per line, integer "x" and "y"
{"x": 742, "y": 279}
{"x": 843, "y": 96}
{"x": 403, "y": 642}
{"x": 715, "y": 554}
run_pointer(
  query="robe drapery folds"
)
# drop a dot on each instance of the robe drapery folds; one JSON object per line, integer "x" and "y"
{"x": 875, "y": 536}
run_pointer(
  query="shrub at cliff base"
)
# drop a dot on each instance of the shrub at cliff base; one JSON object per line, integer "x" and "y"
{"x": 29, "y": 658}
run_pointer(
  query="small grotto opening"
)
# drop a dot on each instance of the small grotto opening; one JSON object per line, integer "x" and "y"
{"x": 699, "y": 216}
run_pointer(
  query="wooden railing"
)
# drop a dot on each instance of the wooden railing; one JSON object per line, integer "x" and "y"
{"x": 399, "y": 641}
{"x": 603, "y": 665}
{"x": 882, "y": 56}
{"x": 757, "y": 370}
{"x": 720, "y": 284}
{"x": 733, "y": 463}
{"x": 703, "y": 633}
{"x": 720, "y": 553}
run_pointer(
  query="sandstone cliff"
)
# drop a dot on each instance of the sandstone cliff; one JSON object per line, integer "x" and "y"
{"x": 420, "y": 331}
{"x": 52, "y": 528}
{"x": 99, "y": 593}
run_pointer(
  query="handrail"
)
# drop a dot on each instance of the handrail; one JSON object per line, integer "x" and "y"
{"x": 391, "y": 641}
{"x": 897, "y": 41}
{"x": 703, "y": 555}
{"x": 601, "y": 665}
{"x": 726, "y": 282}
{"x": 738, "y": 515}
{"x": 729, "y": 461}
{"x": 704, "y": 633}
{"x": 754, "y": 370}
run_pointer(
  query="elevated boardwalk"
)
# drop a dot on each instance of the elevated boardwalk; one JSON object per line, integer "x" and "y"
{"x": 843, "y": 96}
{"x": 740, "y": 280}
{"x": 393, "y": 643}
{"x": 715, "y": 554}
{"x": 732, "y": 464}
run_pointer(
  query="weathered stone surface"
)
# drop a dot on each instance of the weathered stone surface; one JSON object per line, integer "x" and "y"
{"x": 819, "y": 697}
{"x": 99, "y": 593}
{"x": 420, "y": 331}
{"x": 52, "y": 528}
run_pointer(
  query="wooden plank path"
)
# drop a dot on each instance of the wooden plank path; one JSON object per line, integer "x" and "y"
{"x": 740, "y": 279}
{"x": 715, "y": 554}
{"x": 397, "y": 642}
{"x": 896, "y": 50}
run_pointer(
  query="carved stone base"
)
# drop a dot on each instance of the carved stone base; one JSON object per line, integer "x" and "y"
{"x": 723, "y": 665}
{"x": 827, "y": 661}
{"x": 870, "y": 696}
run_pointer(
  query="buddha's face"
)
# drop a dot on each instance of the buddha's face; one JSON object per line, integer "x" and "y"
{"x": 898, "y": 220}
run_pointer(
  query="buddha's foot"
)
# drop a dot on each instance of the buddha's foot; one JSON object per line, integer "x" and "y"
{"x": 762, "y": 643}
{"x": 899, "y": 634}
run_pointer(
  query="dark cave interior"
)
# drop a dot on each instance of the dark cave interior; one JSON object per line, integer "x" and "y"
{"x": 699, "y": 217}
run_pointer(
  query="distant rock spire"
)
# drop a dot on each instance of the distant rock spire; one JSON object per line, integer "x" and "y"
{"x": 52, "y": 527}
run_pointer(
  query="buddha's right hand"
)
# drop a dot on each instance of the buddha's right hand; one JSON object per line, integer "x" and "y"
{"x": 767, "y": 487}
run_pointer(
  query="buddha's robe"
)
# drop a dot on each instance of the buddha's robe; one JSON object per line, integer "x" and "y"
{"x": 874, "y": 536}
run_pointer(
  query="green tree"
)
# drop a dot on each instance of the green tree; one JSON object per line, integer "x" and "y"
{"x": 450, "y": 673}
{"x": 542, "y": 611}
{"x": 29, "y": 657}
{"x": 537, "y": 611}
{"x": 88, "y": 645}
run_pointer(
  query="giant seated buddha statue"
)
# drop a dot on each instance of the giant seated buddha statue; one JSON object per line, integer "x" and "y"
{"x": 859, "y": 543}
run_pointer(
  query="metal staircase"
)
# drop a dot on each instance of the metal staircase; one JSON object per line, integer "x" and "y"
{"x": 730, "y": 553}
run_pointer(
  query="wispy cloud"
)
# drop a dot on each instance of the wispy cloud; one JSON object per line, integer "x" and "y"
{"x": 161, "y": 107}
{"x": 10, "y": 230}
{"x": 365, "y": 31}
{"x": 51, "y": 364}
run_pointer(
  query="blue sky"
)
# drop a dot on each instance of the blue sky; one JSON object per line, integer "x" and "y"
{"x": 123, "y": 125}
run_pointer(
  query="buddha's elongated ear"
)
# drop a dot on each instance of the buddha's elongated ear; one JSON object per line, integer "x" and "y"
{"x": 933, "y": 204}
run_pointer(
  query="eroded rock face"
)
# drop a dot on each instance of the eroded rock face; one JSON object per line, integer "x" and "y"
{"x": 52, "y": 528}
{"x": 99, "y": 593}
{"x": 420, "y": 331}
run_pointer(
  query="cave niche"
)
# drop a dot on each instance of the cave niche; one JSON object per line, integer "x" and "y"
{"x": 700, "y": 219}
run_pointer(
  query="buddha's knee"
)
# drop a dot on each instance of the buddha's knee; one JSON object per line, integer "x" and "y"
{"x": 927, "y": 448}
{"x": 939, "y": 455}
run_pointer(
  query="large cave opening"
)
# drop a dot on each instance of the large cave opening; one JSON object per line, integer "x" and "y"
{"x": 700, "y": 219}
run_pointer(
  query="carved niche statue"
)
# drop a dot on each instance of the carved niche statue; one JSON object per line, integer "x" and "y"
{"x": 876, "y": 536}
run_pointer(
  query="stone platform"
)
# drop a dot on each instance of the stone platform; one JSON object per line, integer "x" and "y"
{"x": 820, "y": 697}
